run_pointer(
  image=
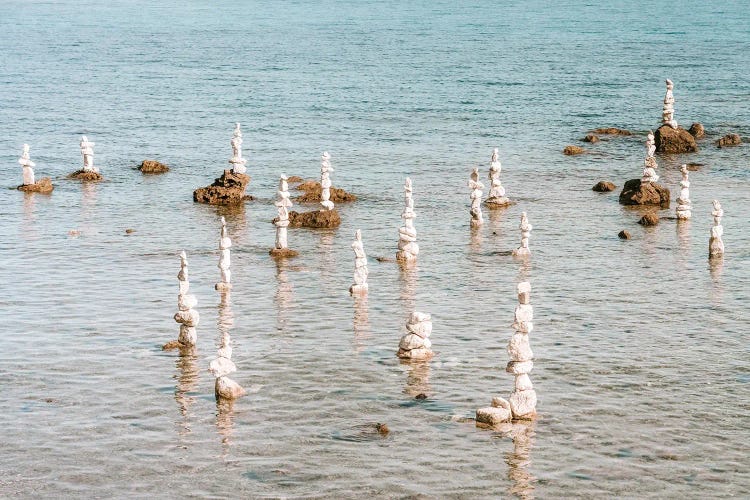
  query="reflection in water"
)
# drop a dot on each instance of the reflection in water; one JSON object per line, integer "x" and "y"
{"x": 224, "y": 415}
{"x": 187, "y": 379}
{"x": 417, "y": 378}
{"x": 327, "y": 261}
{"x": 519, "y": 460}
{"x": 284, "y": 294}
{"x": 225, "y": 422}
{"x": 89, "y": 215}
{"x": 716, "y": 268}
{"x": 235, "y": 216}
{"x": 361, "y": 322}
{"x": 524, "y": 270}
{"x": 408, "y": 274}
{"x": 475, "y": 241}
{"x": 29, "y": 217}
{"x": 683, "y": 240}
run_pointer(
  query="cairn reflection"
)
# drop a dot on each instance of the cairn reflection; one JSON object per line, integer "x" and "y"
{"x": 519, "y": 460}
{"x": 187, "y": 381}
{"x": 361, "y": 322}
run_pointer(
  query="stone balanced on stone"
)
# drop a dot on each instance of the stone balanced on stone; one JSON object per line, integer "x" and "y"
{"x": 237, "y": 161}
{"x": 645, "y": 191}
{"x": 649, "y": 164}
{"x": 408, "y": 249}
{"x": 283, "y": 203}
{"x": 44, "y": 185}
{"x": 715, "y": 243}
{"x": 89, "y": 172}
{"x": 186, "y": 315}
{"x": 225, "y": 243}
{"x": 667, "y": 112}
{"x": 525, "y": 228}
{"x": 325, "y": 181}
{"x": 684, "y": 208}
{"x": 496, "y": 198}
{"x": 476, "y": 199}
{"x": 220, "y": 367}
{"x": 670, "y": 138}
{"x": 360, "y": 286}
{"x": 415, "y": 344}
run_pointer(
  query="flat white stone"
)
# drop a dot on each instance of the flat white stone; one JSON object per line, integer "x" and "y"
{"x": 519, "y": 367}
{"x": 423, "y": 329}
{"x": 411, "y": 341}
{"x": 221, "y": 366}
{"x": 499, "y": 402}
{"x": 492, "y": 415}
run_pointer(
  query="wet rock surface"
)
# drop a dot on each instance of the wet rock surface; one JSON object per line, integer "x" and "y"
{"x": 636, "y": 192}
{"x": 226, "y": 190}
{"x": 153, "y": 167}
{"x": 674, "y": 140}
{"x": 43, "y": 185}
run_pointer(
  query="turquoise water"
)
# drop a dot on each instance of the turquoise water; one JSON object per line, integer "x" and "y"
{"x": 642, "y": 353}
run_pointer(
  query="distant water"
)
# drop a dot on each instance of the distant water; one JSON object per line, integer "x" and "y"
{"x": 642, "y": 360}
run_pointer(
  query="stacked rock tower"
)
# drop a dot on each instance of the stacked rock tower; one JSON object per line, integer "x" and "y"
{"x": 497, "y": 197}
{"x": 359, "y": 287}
{"x": 87, "y": 151}
{"x": 525, "y": 228}
{"x": 684, "y": 208}
{"x": 325, "y": 181}
{"x": 523, "y": 398}
{"x": 408, "y": 249}
{"x": 283, "y": 203}
{"x": 667, "y": 113}
{"x": 237, "y": 161}
{"x": 649, "y": 164}
{"x": 28, "y": 166}
{"x": 225, "y": 387}
{"x": 476, "y": 199}
{"x": 415, "y": 344}
{"x": 715, "y": 243}
{"x": 225, "y": 243}
{"x": 186, "y": 315}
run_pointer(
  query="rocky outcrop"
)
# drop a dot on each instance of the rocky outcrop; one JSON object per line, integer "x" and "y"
{"x": 314, "y": 219}
{"x": 697, "y": 130}
{"x": 592, "y": 138}
{"x": 636, "y": 192}
{"x": 573, "y": 150}
{"x": 674, "y": 140}
{"x": 611, "y": 131}
{"x": 283, "y": 252}
{"x": 43, "y": 185}
{"x": 153, "y": 167}
{"x": 226, "y": 190}
{"x": 729, "y": 140}
{"x": 649, "y": 219}
{"x": 86, "y": 175}
{"x": 313, "y": 189}
{"x": 603, "y": 187}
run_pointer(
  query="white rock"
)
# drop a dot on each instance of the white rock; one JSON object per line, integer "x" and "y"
{"x": 411, "y": 341}
{"x": 221, "y": 366}
{"x": 226, "y": 388}
{"x": 417, "y": 317}
{"x": 519, "y": 367}
{"x": 423, "y": 329}
{"x": 499, "y": 402}
{"x": 188, "y": 318}
{"x": 188, "y": 336}
{"x": 493, "y": 415}
{"x": 185, "y": 302}
{"x": 519, "y": 348}
{"x": 523, "y": 404}
{"x": 523, "y": 383}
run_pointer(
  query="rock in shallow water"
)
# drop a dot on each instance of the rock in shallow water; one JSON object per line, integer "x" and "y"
{"x": 315, "y": 219}
{"x": 43, "y": 185}
{"x": 671, "y": 140}
{"x": 624, "y": 235}
{"x": 493, "y": 415}
{"x": 603, "y": 187}
{"x": 697, "y": 130}
{"x": 649, "y": 219}
{"x": 153, "y": 167}
{"x": 729, "y": 140}
{"x": 226, "y": 190}
{"x": 573, "y": 150}
{"x": 86, "y": 175}
{"x": 636, "y": 192}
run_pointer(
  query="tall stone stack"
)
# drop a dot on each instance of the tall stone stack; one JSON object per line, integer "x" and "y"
{"x": 220, "y": 367}
{"x": 496, "y": 198}
{"x": 684, "y": 208}
{"x": 525, "y": 228}
{"x": 667, "y": 112}
{"x": 89, "y": 172}
{"x": 360, "y": 286}
{"x": 476, "y": 199}
{"x": 230, "y": 187}
{"x": 283, "y": 203}
{"x": 408, "y": 249}
{"x": 523, "y": 398}
{"x": 225, "y": 243}
{"x": 649, "y": 164}
{"x": 415, "y": 344}
{"x": 645, "y": 191}
{"x": 669, "y": 137}
{"x": 715, "y": 243}
{"x": 44, "y": 185}
{"x": 325, "y": 181}
{"x": 237, "y": 161}
{"x": 186, "y": 316}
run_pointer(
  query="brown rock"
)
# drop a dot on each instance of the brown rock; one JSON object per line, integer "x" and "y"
{"x": 313, "y": 190}
{"x": 636, "y": 192}
{"x": 697, "y": 130}
{"x": 43, "y": 185}
{"x": 129, "y": 230}
{"x": 603, "y": 187}
{"x": 82, "y": 175}
{"x": 282, "y": 253}
{"x": 153, "y": 167}
{"x": 382, "y": 429}
{"x": 573, "y": 150}
{"x": 316, "y": 219}
{"x": 293, "y": 179}
{"x": 624, "y": 235}
{"x": 611, "y": 131}
{"x": 670, "y": 140}
{"x": 649, "y": 219}
{"x": 592, "y": 138}
{"x": 226, "y": 190}
{"x": 729, "y": 140}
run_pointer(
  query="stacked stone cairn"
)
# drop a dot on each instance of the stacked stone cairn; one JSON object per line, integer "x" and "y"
{"x": 476, "y": 199}
{"x": 283, "y": 202}
{"x": 89, "y": 172}
{"x": 225, "y": 387}
{"x": 522, "y": 401}
{"x": 667, "y": 113}
{"x": 325, "y": 181}
{"x": 649, "y": 164}
{"x": 670, "y": 138}
{"x": 408, "y": 249}
{"x": 645, "y": 191}
{"x": 715, "y": 243}
{"x": 225, "y": 243}
{"x": 186, "y": 316}
{"x": 415, "y": 344}
{"x": 29, "y": 182}
{"x": 684, "y": 208}
{"x": 359, "y": 287}
{"x": 497, "y": 197}
{"x": 237, "y": 161}
{"x": 525, "y": 228}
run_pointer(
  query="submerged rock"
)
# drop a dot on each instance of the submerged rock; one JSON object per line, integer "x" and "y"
{"x": 153, "y": 167}
{"x": 636, "y": 192}
{"x": 649, "y": 219}
{"x": 43, "y": 185}
{"x": 729, "y": 140}
{"x": 313, "y": 189}
{"x": 226, "y": 388}
{"x": 624, "y": 235}
{"x": 611, "y": 131}
{"x": 315, "y": 219}
{"x": 283, "y": 252}
{"x": 592, "y": 138}
{"x": 226, "y": 190}
{"x": 86, "y": 175}
{"x": 674, "y": 140}
{"x": 573, "y": 150}
{"x": 697, "y": 130}
{"x": 603, "y": 186}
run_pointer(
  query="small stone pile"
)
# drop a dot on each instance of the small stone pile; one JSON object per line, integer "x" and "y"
{"x": 476, "y": 199}
{"x": 667, "y": 112}
{"x": 225, "y": 387}
{"x": 186, "y": 315}
{"x": 497, "y": 197}
{"x": 30, "y": 184}
{"x": 669, "y": 137}
{"x": 415, "y": 344}
{"x": 325, "y": 181}
{"x": 326, "y": 217}
{"x": 408, "y": 249}
{"x": 525, "y": 228}
{"x": 230, "y": 187}
{"x": 645, "y": 191}
{"x": 360, "y": 286}
{"x": 89, "y": 172}
{"x": 225, "y": 243}
{"x": 649, "y": 164}
{"x": 237, "y": 161}
{"x": 684, "y": 208}
{"x": 283, "y": 202}
{"x": 715, "y": 243}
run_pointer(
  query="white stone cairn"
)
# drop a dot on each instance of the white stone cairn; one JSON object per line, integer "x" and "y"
{"x": 525, "y": 228}
{"x": 523, "y": 398}
{"x": 408, "y": 249}
{"x": 715, "y": 243}
{"x": 667, "y": 114}
{"x": 325, "y": 181}
{"x": 684, "y": 208}
{"x": 415, "y": 344}
{"x": 237, "y": 161}
{"x": 27, "y": 165}
{"x": 497, "y": 191}
{"x": 476, "y": 199}
{"x": 186, "y": 315}
{"x": 283, "y": 203}
{"x": 87, "y": 150}
{"x": 225, "y": 243}
{"x": 220, "y": 367}
{"x": 649, "y": 164}
{"x": 359, "y": 287}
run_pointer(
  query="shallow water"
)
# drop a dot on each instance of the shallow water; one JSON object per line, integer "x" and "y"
{"x": 642, "y": 365}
